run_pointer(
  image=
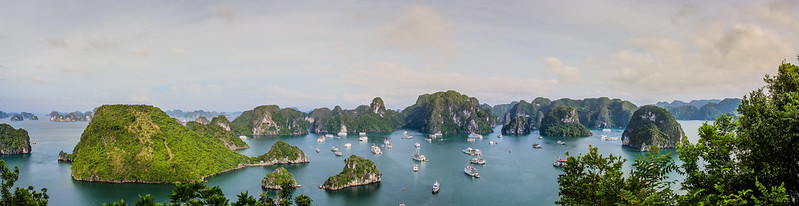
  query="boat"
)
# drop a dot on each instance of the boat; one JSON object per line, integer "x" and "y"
{"x": 432, "y": 136}
{"x": 537, "y": 146}
{"x": 418, "y": 157}
{"x": 363, "y": 139}
{"x": 470, "y": 139}
{"x": 559, "y": 163}
{"x": 243, "y": 137}
{"x": 499, "y": 136}
{"x": 342, "y": 134}
{"x": 320, "y": 139}
{"x": 477, "y": 160}
{"x": 471, "y": 171}
{"x": 561, "y": 142}
{"x": 376, "y": 150}
{"x": 428, "y": 140}
{"x": 417, "y": 145}
{"x": 606, "y": 130}
{"x": 470, "y": 151}
{"x": 348, "y": 145}
{"x": 473, "y": 135}
{"x": 436, "y": 187}
{"x": 491, "y": 142}
{"x": 439, "y": 134}
{"x": 329, "y": 136}
{"x": 603, "y": 136}
{"x": 361, "y": 133}
{"x": 540, "y": 137}
{"x": 385, "y": 141}
{"x": 317, "y": 150}
{"x": 338, "y": 153}
{"x": 611, "y": 138}
{"x": 415, "y": 168}
{"x": 334, "y": 149}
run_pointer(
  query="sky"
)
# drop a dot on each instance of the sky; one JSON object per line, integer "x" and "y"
{"x": 235, "y": 55}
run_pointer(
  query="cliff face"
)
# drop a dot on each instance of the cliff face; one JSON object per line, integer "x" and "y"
{"x": 652, "y": 125}
{"x": 222, "y": 121}
{"x": 365, "y": 118}
{"x": 70, "y": 117}
{"x": 202, "y": 120}
{"x": 593, "y": 113}
{"x": 563, "y": 121}
{"x": 449, "y": 112}
{"x": 17, "y": 117}
{"x": 357, "y": 171}
{"x": 14, "y": 141}
{"x": 270, "y": 120}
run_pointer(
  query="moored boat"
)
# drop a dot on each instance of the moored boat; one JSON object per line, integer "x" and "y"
{"x": 329, "y": 136}
{"x": 606, "y": 130}
{"x": 561, "y": 142}
{"x": 471, "y": 171}
{"x": 471, "y": 151}
{"x": 417, "y": 145}
{"x": 537, "y": 146}
{"x": 334, "y": 149}
{"x": 363, "y": 139}
{"x": 342, "y": 134}
{"x": 317, "y": 150}
{"x": 376, "y": 150}
{"x": 338, "y": 153}
{"x": 436, "y": 187}
{"x": 470, "y": 139}
{"x": 477, "y": 160}
{"x": 559, "y": 163}
{"x": 348, "y": 145}
{"x": 415, "y": 168}
{"x": 320, "y": 139}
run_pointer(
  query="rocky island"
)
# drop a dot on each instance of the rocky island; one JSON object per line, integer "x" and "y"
{"x": 563, "y": 121}
{"x": 357, "y": 171}
{"x": 449, "y": 112}
{"x": 281, "y": 153}
{"x": 365, "y": 118}
{"x": 14, "y": 141}
{"x": 270, "y": 120}
{"x": 603, "y": 112}
{"x": 652, "y": 125}
{"x": 276, "y": 179}
{"x": 222, "y": 121}
{"x": 70, "y": 117}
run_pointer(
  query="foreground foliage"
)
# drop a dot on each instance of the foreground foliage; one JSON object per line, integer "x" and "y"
{"x": 196, "y": 193}
{"x": 20, "y": 196}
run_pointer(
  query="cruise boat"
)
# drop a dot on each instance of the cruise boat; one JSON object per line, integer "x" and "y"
{"x": 338, "y": 153}
{"x": 603, "y": 136}
{"x": 418, "y": 157}
{"x": 334, "y": 149}
{"x": 559, "y": 163}
{"x": 439, "y": 134}
{"x": 477, "y": 160}
{"x": 491, "y": 142}
{"x": 540, "y": 137}
{"x": 561, "y": 142}
{"x": 342, "y": 134}
{"x": 606, "y": 130}
{"x": 471, "y": 171}
{"x": 472, "y": 152}
{"x": 417, "y": 145}
{"x": 473, "y": 135}
{"x": 376, "y": 150}
{"x": 385, "y": 141}
{"x": 406, "y": 136}
{"x": 363, "y": 139}
{"x": 432, "y": 136}
{"x": 611, "y": 138}
{"x": 348, "y": 145}
{"x": 329, "y": 136}
{"x": 428, "y": 140}
{"x": 499, "y": 136}
{"x": 320, "y": 139}
{"x": 470, "y": 139}
{"x": 361, "y": 133}
{"x": 537, "y": 146}
{"x": 415, "y": 168}
{"x": 388, "y": 145}
{"x": 436, "y": 187}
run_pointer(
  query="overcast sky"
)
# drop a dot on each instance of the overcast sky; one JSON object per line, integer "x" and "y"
{"x": 235, "y": 55}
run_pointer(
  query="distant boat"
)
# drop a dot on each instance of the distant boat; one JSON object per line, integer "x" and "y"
{"x": 561, "y": 142}
{"x": 439, "y": 134}
{"x": 417, "y": 145}
{"x": 320, "y": 139}
{"x": 611, "y": 138}
{"x": 317, "y": 150}
{"x": 606, "y": 130}
{"x": 334, "y": 149}
{"x": 428, "y": 140}
{"x": 472, "y": 152}
{"x": 342, "y": 134}
{"x": 540, "y": 137}
{"x": 603, "y": 136}
{"x": 363, "y": 139}
{"x": 559, "y": 163}
{"x": 418, "y": 157}
{"x": 537, "y": 146}
{"x": 436, "y": 187}
{"x": 243, "y": 137}
{"x": 471, "y": 171}
{"x": 473, "y": 135}
{"x": 338, "y": 153}
{"x": 329, "y": 136}
{"x": 415, "y": 168}
{"x": 376, "y": 150}
{"x": 348, "y": 145}
{"x": 491, "y": 142}
{"x": 470, "y": 139}
{"x": 477, "y": 160}
{"x": 432, "y": 136}
{"x": 385, "y": 141}
{"x": 499, "y": 136}
{"x": 362, "y": 134}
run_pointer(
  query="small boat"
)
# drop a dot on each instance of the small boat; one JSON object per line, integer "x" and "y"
{"x": 342, "y": 134}
{"x": 417, "y": 145}
{"x": 320, "y": 139}
{"x": 363, "y": 139}
{"x": 376, "y": 150}
{"x": 432, "y": 136}
{"x": 499, "y": 136}
{"x": 334, "y": 149}
{"x": 428, "y": 140}
{"x": 439, "y": 134}
{"x": 606, "y": 130}
{"x": 436, "y": 187}
{"x": 473, "y": 135}
{"x": 348, "y": 145}
{"x": 317, "y": 150}
{"x": 388, "y": 145}
{"x": 472, "y": 152}
{"x": 243, "y": 137}
{"x": 477, "y": 160}
{"x": 415, "y": 168}
{"x": 540, "y": 137}
{"x": 561, "y": 142}
{"x": 419, "y": 157}
{"x": 329, "y": 136}
{"x": 537, "y": 146}
{"x": 603, "y": 136}
{"x": 471, "y": 171}
{"x": 361, "y": 133}
{"x": 491, "y": 142}
{"x": 470, "y": 139}
{"x": 611, "y": 138}
{"x": 338, "y": 153}
{"x": 559, "y": 163}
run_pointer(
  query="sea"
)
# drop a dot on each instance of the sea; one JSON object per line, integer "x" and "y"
{"x": 514, "y": 173}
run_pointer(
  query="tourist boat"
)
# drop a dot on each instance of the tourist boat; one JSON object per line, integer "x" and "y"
{"x": 338, "y": 153}
{"x": 470, "y": 151}
{"x": 477, "y": 160}
{"x": 385, "y": 141}
{"x": 418, "y": 157}
{"x": 342, "y": 134}
{"x": 335, "y": 149}
{"x": 436, "y": 187}
{"x": 348, "y": 145}
{"x": 361, "y": 133}
{"x": 417, "y": 145}
{"x": 243, "y": 137}
{"x": 491, "y": 142}
{"x": 603, "y": 136}
{"x": 473, "y": 135}
{"x": 363, "y": 139}
{"x": 428, "y": 140}
{"x": 376, "y": 150}
{"x": 499, "y": 136}
{"x": 320, "y": 139}
{"x": 388, "y": 145}
{"x": 606, "y": 130}
{"x": 540, "y": 137}
{"x": 471, "y": 171}
{"x": 470, "y": 139}
{"x": 439, "y": 134}
{"x": 537, "y": 146}
{"x": 432, "y": 136}
{"x": 317, "y": 150}
{"x": 561, "y": 142}
{"x": 559, "y": 163}
{"x": 329, "y": 136}
{"x": 415, "y": 168}
{"x": 611, "y": 138}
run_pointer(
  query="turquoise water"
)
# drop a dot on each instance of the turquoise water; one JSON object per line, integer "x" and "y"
{"x": 515, "y": 174}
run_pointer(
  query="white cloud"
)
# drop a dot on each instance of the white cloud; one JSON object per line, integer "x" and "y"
{"x": 226, "y": 13}
{"x": 141, "y": 52}
{"x": 419, "y": 28}
{"x": 566, "y": 74}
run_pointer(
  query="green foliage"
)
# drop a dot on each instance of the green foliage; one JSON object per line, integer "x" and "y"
{"x": 218, "y": 134}
{"x": 280, "y": 150}
{"x": 303, "y": 200}
{"x": 279, "y": 177}
{"x": 592, "y": 112}
{"x": 141, "y": 143}
{"x": 196, "y": 193}
{"x": 563, "y": 121}
{"x": 356, "y": 168}
{"x": 448, "y": 112}
{"x": 652, "y": 125}
{"x": 147, "y": 200}
{"x": 287, "y": 121}
{"x": 703, "y": 110}
{"x": 14, "y": 140}
{"x": 20, "y": 196}
{"x": 365, "y": 118}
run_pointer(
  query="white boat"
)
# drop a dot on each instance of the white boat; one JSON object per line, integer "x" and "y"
{"x": 418, "y": 157}
{"x": 334, "y": 149}
{"x": 363, "y": 139}
{"x": 611, "y": 138}
{"x": 491, "y": 142}
{"x": 436, "y": 187}
{"x": 376, "y": 150}
{"x": 329, "y": 136}
{"x": 470, "y": 139}
{"x": 338, "y": 153}
{"x": 559, "y": 163}
{"x": 348, "y": 145}
{"x": 603, "y": 136}
{"x": 537, "y": 146}
{"x": 385, "y": 141}
{"x": 317, "y": 150}
{"x": 320, "y": 139}
{"x": 540, "y": 137}
{"x": 499, "y": 136}
{"x": 428, "y": 140}
{"x": 361, "y": 133}
{"x": 439, "y": 134}
{"x": 417, "y": 145}
{"x": 432, "y": 136}
{"x": 415, "y": 168}
{"x": 472, "y": 152}
{"x": 606, "y": 130}
{"x": 471, "y": 171}
{"x": 243, "y": 137}
{"x": 342, "y": 134}
{"x": 473, "y": 135}
{"x": 477, "y": 160}
{"x": 561, "y": 142}
{"x": 388, "y": 145}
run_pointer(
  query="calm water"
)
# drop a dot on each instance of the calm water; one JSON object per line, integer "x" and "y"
{"x": 524, "y": 176}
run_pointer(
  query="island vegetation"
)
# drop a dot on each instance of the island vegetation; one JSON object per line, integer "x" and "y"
{"x": 277, "y": 179}
{"x": 222, "y": 121}
{"x": 357, "y": 171}
{"x": 70, "y": 117}
{"x": 14, "y": 141}
{"x": 603, "y": 112}
{"x": 702, "y": 109}
{"x": 563, "y": 121}
{"x": 218, "y": 134}
{"x": 270, "y": 120}
{"x": 652, "y": 125}
{"x": 365, "y": 118}
{"x": 196, "y": 193}
{"x": 18, "y": 196}
{"x": 449, "y": 112}
{"x": 281, "y": 153}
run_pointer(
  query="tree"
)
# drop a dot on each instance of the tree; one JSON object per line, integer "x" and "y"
{"x": 303, "y": 200}
{"x": 147, "y": 200}
{"x": 21, "y": 196}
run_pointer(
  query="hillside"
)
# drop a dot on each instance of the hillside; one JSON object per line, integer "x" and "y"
{"x": 563, "y": 121}
{"x": 652, "y": 125}
{"x": 448, "y": 112}
{"x": 14, "y": 141}
{"x": 218, "y": 134}
{"x": 270, "y": 120}
{"x": 702, "y": 109}
{"x": 365, "y": 118}
{"x": 601, "y": 112}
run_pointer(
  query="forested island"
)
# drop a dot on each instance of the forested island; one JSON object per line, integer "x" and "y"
{"x": 14, "y": 141}
{"x": 563, "y": 121}
{"x": 365, "y": 118}
{"x": 524, "y": 117}
{"x": 70, "y": 117}
{"x": 270, "y": 120}
{"x": 702, "y": 109}
{"x": 652, "y": 126}
{"x": 449, "y": 112}
{"x": 357, "y": 171}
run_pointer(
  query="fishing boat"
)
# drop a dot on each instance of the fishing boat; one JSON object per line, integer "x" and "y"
{"x": 537, "y": 146}
{"x": 363, "y": 139}
{"x": 348, "y": 145}
{"x": 477, "y": 160}
{"x": 603, "y": 136}
{"x": 361, "y": 133}
{"x": 406, "y": 136}
{"x": 388, "y": 145}
{"x": 611, "y": 138}
{"x": 436, "y": 187}
{"x": 473, "y": 135}
{"x": 559, "y": 163}
{"x": 439, "y": 134}
{"x": 471, "y": 171}
{"x": 499, "y": 136}
{"x": 491, "y": 142}
{"x": 417, "y": 145}
{"x": 334, "y": 149}
{"x": 561, "y": 142}
{"x": 415, "y": 168}
{"x": 320, "y": 139}
{"x": 540, "y": 137}
{"x": 376, "y": 150}
{"x": 428, "y": 140}
{"x": 342, "y": 134}
{"x": 338, "y": 153}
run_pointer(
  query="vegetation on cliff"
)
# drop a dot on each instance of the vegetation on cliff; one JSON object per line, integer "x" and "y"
{"x": 14, "y": 141}
{"x": 277, "y": 179}
{"x": 652, "y": 125}
{"x": 140, "y": 143}
{"x": 70, "y": 117}
{"x": 365, "y": 118}
{"x": 270, "y": 120}
{"x": 603, "y": 112}
{"x": 222, "y": 121}
{"x": 448, "y": 112}
{"x": 218, "y": 134}
{"x": 282, "y": 153}
{"x": 702, "y": 109}
{"x": 563, "y": 121}
{"x": 357, "y": 171}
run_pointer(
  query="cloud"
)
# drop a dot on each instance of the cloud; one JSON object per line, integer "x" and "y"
{"x": 178, "y": 51}
{"x": 141, "y": 52}
{"x": 566, "y": 74}
{"x": 99, "y": 43}
{"x": 75, "y": 71}
{"x": 418, "y": 28}
{"x": 142, "y": 96}
{"x": 38, "y": 79}
{"x": 58, "y": 43}
{"x": 226, "y": 13}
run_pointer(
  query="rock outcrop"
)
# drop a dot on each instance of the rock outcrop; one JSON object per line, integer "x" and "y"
{"x": 17, "y": 117}
{"x": 563, "y": 121}
{"x": 276, "y": 179}
{"x": 270, "y": 120}
{"x": 652, "y": 125}
{"x": 64, "y": 157}
{"x": 281, "y": 153}
{"x": 603, "y": 112}
{"x": 365, "y": 118}
{"x": 449, "y": 112}
{"x": 70, "y": 117}
{"x": 14, "y": 141}
{"x": 222, "y": 121}
{"x": 202, "y": 120}
{"x": 357, "y": 171}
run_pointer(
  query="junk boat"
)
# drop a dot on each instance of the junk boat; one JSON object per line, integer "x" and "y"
{"x": 418, "y": 157}
{"x": 320, "y": 139}
{"x": 415, "y": 168}
{"x": 417, "y": 145}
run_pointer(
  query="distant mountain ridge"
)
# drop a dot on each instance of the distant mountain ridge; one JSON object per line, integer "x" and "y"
{"x": 701, "y": 109}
